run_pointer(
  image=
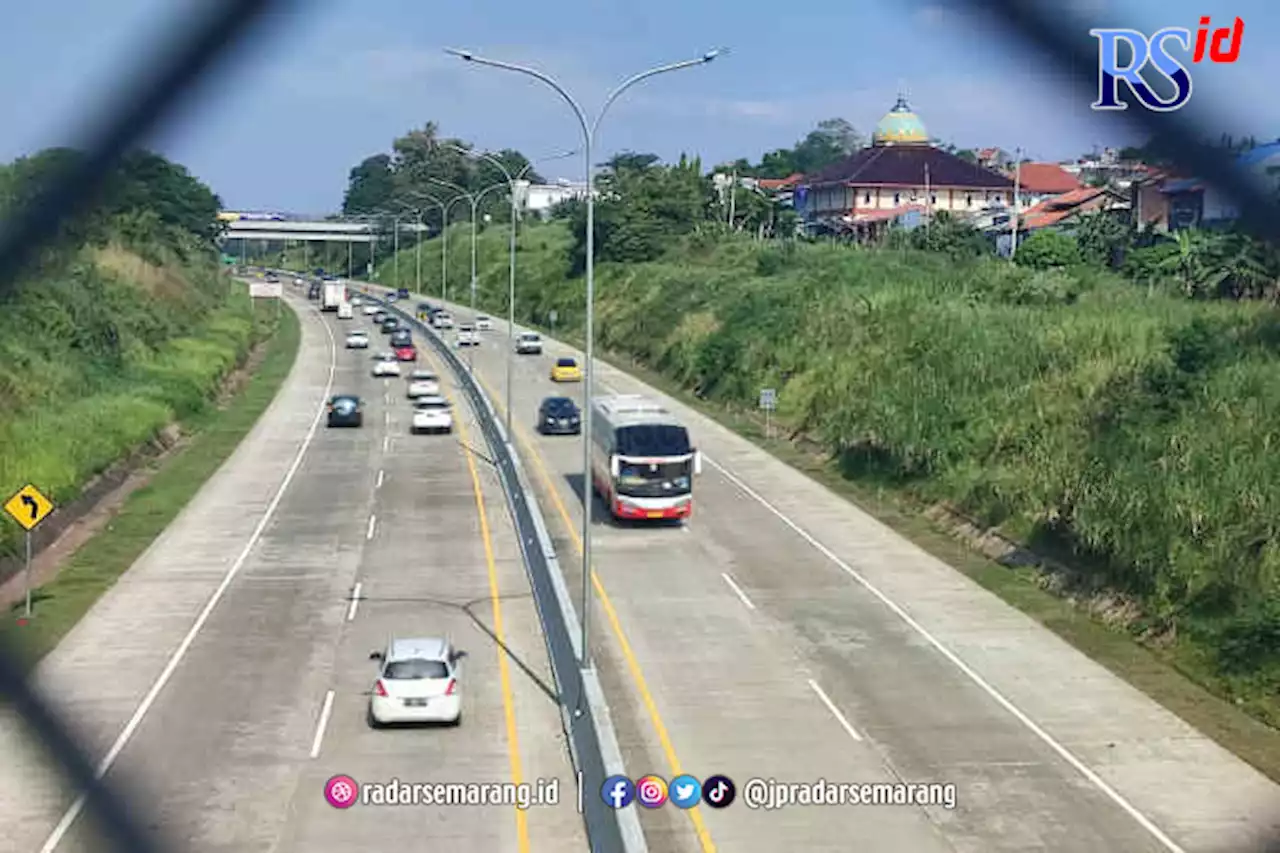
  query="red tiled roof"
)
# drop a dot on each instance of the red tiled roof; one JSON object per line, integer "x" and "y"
{"x": 908, "y": 166}
{"x": 1047, "y": 178}
{"x": 987, "y": 153}
{"x": 1054, "y": 210}
{"x": 780, "y": 183}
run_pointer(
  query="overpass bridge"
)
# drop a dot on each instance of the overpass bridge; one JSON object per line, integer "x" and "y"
{"x": 286, "y": 228}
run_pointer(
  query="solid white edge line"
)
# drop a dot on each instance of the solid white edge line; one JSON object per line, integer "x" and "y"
{"x": 737, "y": 590}
{"x": 381, "y": 474}
{"x": 835, "y": 712}
{"x": 126, "y": 734}
{"x": 322, "y": 724}
{"x": 355, "y": 601}
{"x": 1018, "y": 714}
{"x": 373, "y": 523}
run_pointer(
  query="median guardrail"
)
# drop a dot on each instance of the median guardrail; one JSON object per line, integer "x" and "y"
{"x": 585, "y": 714}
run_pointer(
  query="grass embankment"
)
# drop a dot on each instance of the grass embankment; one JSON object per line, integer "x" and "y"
{"x": 96, "y": 363}
{"x": 1123, "y": 433}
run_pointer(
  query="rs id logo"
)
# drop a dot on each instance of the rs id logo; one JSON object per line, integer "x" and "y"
{"x": 1221, "y": 43}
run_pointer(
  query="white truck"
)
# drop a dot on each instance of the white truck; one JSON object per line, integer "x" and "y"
{"x": 345, "y": 311}
{"x": 333, "y": 295}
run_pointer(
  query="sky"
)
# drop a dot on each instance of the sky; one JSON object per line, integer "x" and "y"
{"x": 326, "y": 84}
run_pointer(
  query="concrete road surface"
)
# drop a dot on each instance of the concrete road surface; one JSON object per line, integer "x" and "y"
{"x": 784, "y": 634}
{"x": 318, "y": 544}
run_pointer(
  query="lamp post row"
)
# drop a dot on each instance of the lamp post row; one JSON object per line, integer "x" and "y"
{"x": 589, "y": 129}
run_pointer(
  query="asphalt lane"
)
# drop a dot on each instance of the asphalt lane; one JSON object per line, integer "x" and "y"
{"x": 736, "y": 644}
{"x": 268, "y": 699}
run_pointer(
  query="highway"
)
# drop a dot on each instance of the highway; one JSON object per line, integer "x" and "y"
{"x": 783, "y": 633}
{"x": 225, "y": 677}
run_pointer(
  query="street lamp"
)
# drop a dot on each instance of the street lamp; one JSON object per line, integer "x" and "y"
{"x": 444, "y": 237}
{"x": 511, "y": 264}
{"x": 589, "y": 129}
{"x": 474, "y": 200}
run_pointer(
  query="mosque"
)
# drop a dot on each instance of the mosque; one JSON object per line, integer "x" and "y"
{"x": 900, "y": 176}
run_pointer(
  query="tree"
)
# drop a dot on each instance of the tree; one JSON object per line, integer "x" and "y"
{"x": 370, "y": 186}
{"x": 1046, "y": 249}
{"x": 830, "y": 142}
{"x": 643, "y": 206}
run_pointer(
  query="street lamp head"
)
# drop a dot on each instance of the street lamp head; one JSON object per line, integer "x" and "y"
{"x": 464, "y": 55}
{"x": 713, "y": 54}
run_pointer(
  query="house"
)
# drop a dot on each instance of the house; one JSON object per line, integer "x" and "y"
{"x": 900, "y": 171}
{"x": 1037, "y": 182}
{"x": 1060, "y": 213}
{"x": 995, "y": 159}
{"x": 539, "y": 199}
{"x": 1177, "y": 202}
{"x": 781, "y": 190}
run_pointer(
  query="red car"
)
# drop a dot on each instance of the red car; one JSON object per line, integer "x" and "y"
{"x": 406, "y": 354}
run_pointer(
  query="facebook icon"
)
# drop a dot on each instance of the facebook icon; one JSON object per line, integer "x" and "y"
{"x": 617, "y": 792}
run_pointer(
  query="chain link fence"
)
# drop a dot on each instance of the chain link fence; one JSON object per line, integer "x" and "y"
{"x": 173, "y": 76}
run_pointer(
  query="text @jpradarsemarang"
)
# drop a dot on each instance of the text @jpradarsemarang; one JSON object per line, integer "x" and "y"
{"x": 343, "y": 792}
{"x": 770, "y": 794}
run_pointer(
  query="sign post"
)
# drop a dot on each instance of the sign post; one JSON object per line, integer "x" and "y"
{"x": 28, "y": 507}
{"x": 267, "y": 290}
{"x": 768, "y": 402}
{"x": 553, "y": 316}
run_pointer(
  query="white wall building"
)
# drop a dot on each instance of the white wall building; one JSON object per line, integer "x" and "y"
{"x": 540, "y": 198}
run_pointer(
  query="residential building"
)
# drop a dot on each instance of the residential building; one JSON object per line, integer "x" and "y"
{"x": 539, "y": 199}
{"x": 1060, "y": 212}
{"x": 1177, "y": 201}
{"x": 995, "y": 159}
{"x": 1038, "y": 182}
{"x": 900, "y": 173}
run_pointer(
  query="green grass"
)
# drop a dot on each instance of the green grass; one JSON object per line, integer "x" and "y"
{"x": 1126, "y": 433}
{"x": 213, "y": 434}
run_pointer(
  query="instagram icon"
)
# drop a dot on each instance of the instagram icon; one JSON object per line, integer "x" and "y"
{"x": 651, "y": 791}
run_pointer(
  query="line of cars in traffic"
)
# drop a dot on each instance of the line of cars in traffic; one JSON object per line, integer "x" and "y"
{"x": 432, "y": 411}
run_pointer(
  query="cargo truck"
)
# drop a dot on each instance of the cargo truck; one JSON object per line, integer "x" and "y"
{"x": 335, "y": 293}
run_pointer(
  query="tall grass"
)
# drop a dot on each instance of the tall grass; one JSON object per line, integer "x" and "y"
{"x": 100, "y": 356}
{"x": 1073, "y": 410}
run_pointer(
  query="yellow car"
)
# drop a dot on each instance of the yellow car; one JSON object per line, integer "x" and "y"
{"x": 566, "y": 370}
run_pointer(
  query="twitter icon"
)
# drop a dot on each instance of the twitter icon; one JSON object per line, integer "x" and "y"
{"x": 686, "y": 791}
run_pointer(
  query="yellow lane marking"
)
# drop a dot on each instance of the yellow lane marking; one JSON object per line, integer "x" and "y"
{"x": 633, "y": 664}
{"x": 504, "y": 671}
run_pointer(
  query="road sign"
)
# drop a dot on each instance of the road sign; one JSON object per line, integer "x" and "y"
{"x": 266, "y": 289}
{"x": 553, "y": 316}
{"x": 29, "y": 507}
{"x": 768, "y": 399}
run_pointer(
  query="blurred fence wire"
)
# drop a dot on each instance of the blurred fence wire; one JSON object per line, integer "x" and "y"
{"x": 220, "y": 24}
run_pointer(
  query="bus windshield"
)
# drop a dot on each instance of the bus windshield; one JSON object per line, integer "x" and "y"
{"x": 647, "y": 480}
{"x": 653, "y": 440}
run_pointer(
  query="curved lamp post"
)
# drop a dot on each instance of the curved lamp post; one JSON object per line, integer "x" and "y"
{"x": 589, "y": 130}
{"x": 511, "y": 263}
{"x": 474, "y": 200}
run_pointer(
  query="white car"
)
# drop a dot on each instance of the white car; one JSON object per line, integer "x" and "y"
{"x": 370, "y": 309}
{"x": 356, "y": 300}
{"x": 484, "y": 323}
{"x": 386, "y": 365}
{"x": 358, "y": 339}
{"x": 443, "y": 321}
{"x": 431, "y": 414}
{"x": 468, "y": 337}
{"x": 297, "y": 282}
{"x": 417, "y": 683}
{"x": 529, "y": 343}
{"x": 423, "y": 383}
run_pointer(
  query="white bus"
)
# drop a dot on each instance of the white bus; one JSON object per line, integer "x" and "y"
{"x": 642, "y": 462}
